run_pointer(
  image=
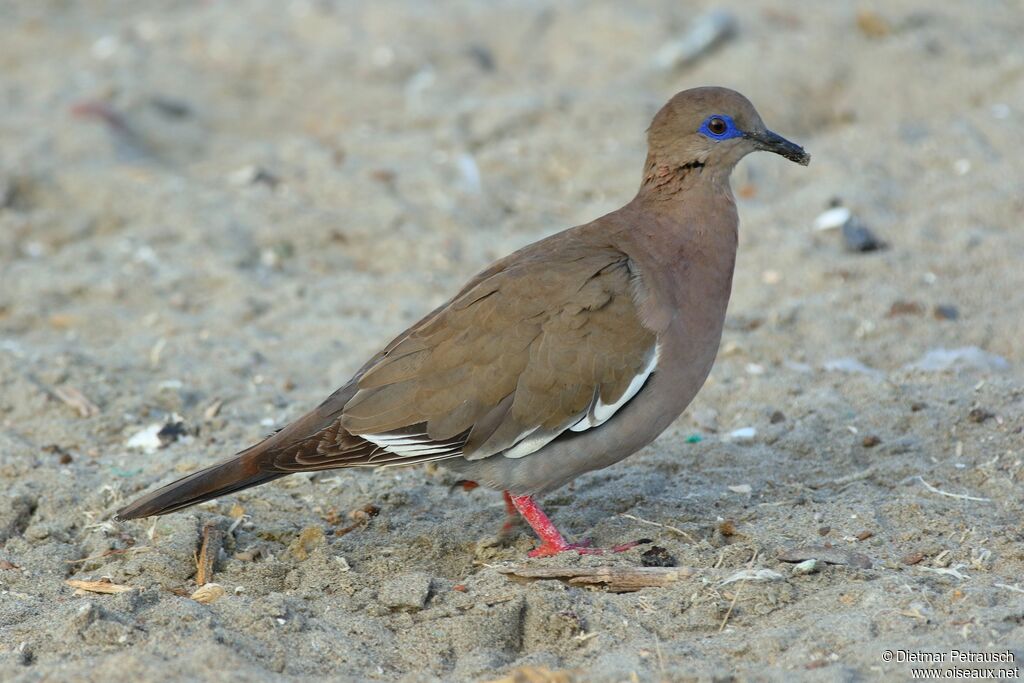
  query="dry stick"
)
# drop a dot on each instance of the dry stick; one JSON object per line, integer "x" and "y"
{"x": 735, "y": 598}
{"x": 208, "y": 551}
{"x": 99, "y": 586}
{"x": 961, "y": 496}
{"x": 615, "y": 579}
{"x": 679, "y": 531}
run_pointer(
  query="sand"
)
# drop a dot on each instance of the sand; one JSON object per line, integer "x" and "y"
{"x": 214, "y": 212}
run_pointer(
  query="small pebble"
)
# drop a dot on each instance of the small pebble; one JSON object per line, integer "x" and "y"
{"x": 945, "y": 312}
{"x": 870, "y": 441}
{"x": 824, "y": 531}
{"x": 979, "y": 415}
{"x": 872, "y": 25}
{"x": 656, "y": 556}
{"x": 865, "y": 535}
{"x": 904, "y": 308}
{"x": 858, "y": 238}
{"x": 833, "y": 218}
{"x": 806, "y": 567}
{"x": 825, "y": 553}
{"x": 171, "y": 432}
{"x": 742, "y": 434}
{"x": 253, "y": 175}
{"x": 777, "y": 417}
{"x": 912, "y": 558}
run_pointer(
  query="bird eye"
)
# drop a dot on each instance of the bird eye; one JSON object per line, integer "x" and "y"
{"x": 717, "y": 126}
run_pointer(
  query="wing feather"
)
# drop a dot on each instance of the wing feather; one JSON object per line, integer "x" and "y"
{"x": 531, "y": 349}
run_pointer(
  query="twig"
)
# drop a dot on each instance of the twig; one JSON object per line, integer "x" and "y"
{"x": 677, "y": 530}
{"x": 961, "y": 496}
{"x": 99, "y": 586}
{"x": 615, "y": 579}
{"x": 208, "y": 551}
{"x": 735, "y": 599}
{"x": 1015, "y": 588}
{"x": 763, "y": 574}
{"x": 844, "y": 481}
{"x": 947, "y": 571}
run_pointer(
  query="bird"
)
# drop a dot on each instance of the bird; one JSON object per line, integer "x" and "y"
{"x": 561, "y": 358}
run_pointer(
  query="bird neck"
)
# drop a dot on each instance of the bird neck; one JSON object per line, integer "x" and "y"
{"x": 668, "y": 181}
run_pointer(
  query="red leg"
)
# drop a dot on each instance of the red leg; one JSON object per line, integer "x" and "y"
{"x": 551, "y": 541}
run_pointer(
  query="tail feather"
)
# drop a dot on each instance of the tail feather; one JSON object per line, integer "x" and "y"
{"x": 227, "y": 477}
{"x": 295, "y": 448}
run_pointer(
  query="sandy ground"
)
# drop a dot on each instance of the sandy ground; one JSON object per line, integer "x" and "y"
{"x": 213, "y": 212}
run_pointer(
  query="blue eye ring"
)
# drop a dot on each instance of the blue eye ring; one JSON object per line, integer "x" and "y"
{"x": 719, "y": 127}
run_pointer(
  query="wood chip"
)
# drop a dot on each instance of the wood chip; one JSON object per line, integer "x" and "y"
{"x": 828, "y": 555}
{"x": 614, "y": 579}
{"x": 213, "y": 538}
{"x": 101, "y": 586}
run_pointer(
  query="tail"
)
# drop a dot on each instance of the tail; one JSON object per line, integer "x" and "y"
{"x": 236, "y": 474}
{"x": 292, "y": 449}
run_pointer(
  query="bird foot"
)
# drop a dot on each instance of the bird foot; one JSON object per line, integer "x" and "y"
{"x": 551, "y": 541}
{"x": 547, "y": 549}
{"x": 551, "y": 548}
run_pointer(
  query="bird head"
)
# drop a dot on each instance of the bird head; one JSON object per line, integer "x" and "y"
{"x": 713, "y": 128}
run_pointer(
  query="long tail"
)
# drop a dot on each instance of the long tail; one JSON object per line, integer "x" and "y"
{"x": 241, "y": 472}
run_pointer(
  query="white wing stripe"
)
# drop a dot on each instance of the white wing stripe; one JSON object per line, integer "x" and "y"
{"x": 601, "y": 412}
{"x": 530, "y": 444}
{"x": 410, "y": 446}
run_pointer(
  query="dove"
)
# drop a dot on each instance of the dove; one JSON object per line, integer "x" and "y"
{"x": 564, "y": 357}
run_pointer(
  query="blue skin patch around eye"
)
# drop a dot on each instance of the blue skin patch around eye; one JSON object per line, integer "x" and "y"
{"x": 731, "y": 131}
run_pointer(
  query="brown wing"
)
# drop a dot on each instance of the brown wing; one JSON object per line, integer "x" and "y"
{"x": 527, "y": 350}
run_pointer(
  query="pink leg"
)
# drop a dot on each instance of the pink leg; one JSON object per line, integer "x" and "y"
{"x": 551, "y": 541}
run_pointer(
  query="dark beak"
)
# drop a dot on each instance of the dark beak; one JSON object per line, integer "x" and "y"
{"x": 770, "y": 142}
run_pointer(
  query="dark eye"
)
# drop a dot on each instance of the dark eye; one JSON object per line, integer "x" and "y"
{"x": 717, "y": 126}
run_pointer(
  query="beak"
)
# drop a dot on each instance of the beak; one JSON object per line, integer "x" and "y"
{"x": 770, "y": 142}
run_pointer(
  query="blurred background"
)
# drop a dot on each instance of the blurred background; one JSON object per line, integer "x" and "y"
{"x": 212, "y": 213}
